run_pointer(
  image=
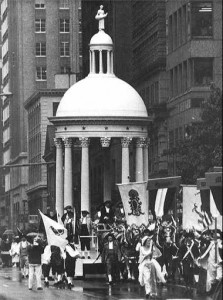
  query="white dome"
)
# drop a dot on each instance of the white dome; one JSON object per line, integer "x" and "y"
{"x": 101, "y": 38}
{"x": 101, "y": 96}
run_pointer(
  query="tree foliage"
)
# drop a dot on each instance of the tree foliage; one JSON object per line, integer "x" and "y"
{"x": 201, "y": 149}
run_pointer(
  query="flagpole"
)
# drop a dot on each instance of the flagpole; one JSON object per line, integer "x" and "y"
{"x": 216, "y": 246}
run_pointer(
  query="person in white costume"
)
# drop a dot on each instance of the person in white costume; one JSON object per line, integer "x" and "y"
{"x": 149, "y": 269}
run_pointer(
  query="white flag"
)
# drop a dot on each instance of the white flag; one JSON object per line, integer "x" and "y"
{"x": 160, "y": 200}
{"x": 135, "y": 202}
{"x": 56, "y": 233}
{"x": 213, "y": 208}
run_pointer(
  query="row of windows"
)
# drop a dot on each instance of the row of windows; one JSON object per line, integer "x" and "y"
{"x": 192, "y": 73}
{"x": 150, "y": 94}
{"x": 40, "y": 25}
{"x": 41, "y": 4}
{"x": 194, "y": 20}
{"x": 64, "y": 49}
{"x": 41, "y": 72}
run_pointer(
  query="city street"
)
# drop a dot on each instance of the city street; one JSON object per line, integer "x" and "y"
{"x": 13, "y": 288}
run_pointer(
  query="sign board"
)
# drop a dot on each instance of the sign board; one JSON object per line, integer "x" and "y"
{"x": 161, "y": 183}
{"x": 202, "y": 184}
{"x": 33, "y": 219}
{"x": 214, "y": 179}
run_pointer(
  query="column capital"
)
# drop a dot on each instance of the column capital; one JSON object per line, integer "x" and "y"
{"x": 147, "y": 143}
{"x": 141, "y": 142}
{"x": 105, "y": 142}
{"x": 126, "y": 142}
{"x": 58, "y": 142}
{"x": 68, "y": 142}
{"x": 85, "y": 142}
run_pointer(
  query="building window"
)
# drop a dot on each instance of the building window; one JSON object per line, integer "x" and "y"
{"x": 40, "y": 49}
{"x": 201, "y": 19}
{"x": 41, "y": 73}
{"x": 196, "y": 102}
{"x": 64, "y": 4}
{"x": 40, "y": 25}
{"x": 64, "y": 25}
{"x": 65, "y": 70}
{"x": 39, "y": 4}
{"x": 64, "y": 49}
{"x": 202, "y": 71}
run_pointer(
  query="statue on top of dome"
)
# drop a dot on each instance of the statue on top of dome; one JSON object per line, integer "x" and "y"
{"x": 101, "y": 15}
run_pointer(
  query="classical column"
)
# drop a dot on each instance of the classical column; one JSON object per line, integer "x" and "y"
{"x": 59, "y": 176}
{"x": 146, "y": 159}
{"x": 68, "y": 186}
{"x": 105, "y": 143}
{"x": 100, "y": 62}
{"x": 90, "y": 56}
{"x": 85, "y": 183}
{"x": 112, "y": 63}
{"x": 125, "y": 159}
{"x": 108, "y": 62}
{"x": 93, "y": 62}
{"x": 139, "y": 159}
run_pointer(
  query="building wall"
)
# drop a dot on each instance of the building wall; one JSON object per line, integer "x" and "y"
{"x": 39, "y": 108}
{"x": 20, "y": 35}
{"x": 150, "y": 77}
{"x": 194, "y": 60}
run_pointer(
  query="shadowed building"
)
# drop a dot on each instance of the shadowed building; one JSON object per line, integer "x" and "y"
{"x": 40, "y": 38}
{"x": 150, "y": 77}
{"x": 194, "y": 61}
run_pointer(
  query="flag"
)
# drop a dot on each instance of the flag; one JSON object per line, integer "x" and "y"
{"x": 160, "y": 200}
{"x": 213, "y": 208}
{"x": 56, "y": 233}
{"x": 135, "y": 202}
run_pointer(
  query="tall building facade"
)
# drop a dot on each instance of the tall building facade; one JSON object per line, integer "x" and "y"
{"x": 194, "y": 61}
{"x": 40, "y": 38}
{"x": 150, "y": 77}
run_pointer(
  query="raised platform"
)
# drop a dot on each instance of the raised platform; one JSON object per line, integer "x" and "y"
{"x": 89, "y": 267}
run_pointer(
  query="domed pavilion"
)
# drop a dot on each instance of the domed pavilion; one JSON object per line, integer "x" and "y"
{"x": 100, "y": 113}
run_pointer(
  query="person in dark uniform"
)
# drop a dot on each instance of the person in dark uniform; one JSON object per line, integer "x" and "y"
{"x": 68, "y": 220}
{"x": 111, "y": 258}
{"x": 120, "y": 218}
{"x": 107, "y": 213}
{"x": 85, "y": 228}
{"x": 188, "y": 253}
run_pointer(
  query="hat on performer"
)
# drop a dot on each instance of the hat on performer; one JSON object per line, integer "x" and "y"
{"x": 107, "y": 234}
{"x": 68, "y": 207}
{"x": 145, "y": 238}
{"x": 107, "y": 202}
{"x": 85, "y": 212}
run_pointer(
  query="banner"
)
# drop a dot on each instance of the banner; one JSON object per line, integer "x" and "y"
{"x": 192, "y": 213}
{"x": 135, "y": 202}
{"x": 56, "y": 233}
{"x": 160, "y": 200}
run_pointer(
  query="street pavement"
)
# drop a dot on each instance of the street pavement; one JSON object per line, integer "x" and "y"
{"x": 12, "y": 287}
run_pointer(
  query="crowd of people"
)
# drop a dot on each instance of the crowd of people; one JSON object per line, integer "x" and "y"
{"x": 153, "y": 254}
